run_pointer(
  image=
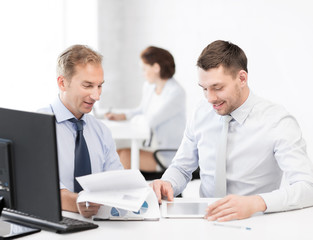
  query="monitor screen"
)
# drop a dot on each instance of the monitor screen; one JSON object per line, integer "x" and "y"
{"x": 28, "y": 142}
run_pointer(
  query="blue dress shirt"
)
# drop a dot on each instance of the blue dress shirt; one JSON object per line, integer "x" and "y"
{"x": 264, "y": 141}
{"x": 101, "y": 146}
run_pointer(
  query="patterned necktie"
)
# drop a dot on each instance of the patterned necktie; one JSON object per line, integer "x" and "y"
{"x": 220, "y": 171}
{"x": 82, "y": 160}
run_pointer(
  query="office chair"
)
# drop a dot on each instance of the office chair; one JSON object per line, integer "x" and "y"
{"x": 168, "y": 153}
{"x": 157, "y": 157}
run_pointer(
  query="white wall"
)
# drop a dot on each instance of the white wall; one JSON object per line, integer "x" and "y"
{"x": 33, "y": 34}
{"x": 277, "y": 36}
{"x": 80, "y": 23}
{"x": 31, "y": 38}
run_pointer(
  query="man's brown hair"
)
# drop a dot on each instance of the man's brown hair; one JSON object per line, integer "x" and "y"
{"x": 222, "y": 53}
{"x": 74, "y": 56}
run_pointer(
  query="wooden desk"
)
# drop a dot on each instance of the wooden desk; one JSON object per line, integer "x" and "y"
{"x": 136, "y": 131}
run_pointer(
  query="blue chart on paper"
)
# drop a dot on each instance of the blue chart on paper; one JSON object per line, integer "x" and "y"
{"x": 143, "y": 209}
{"x": 117, "y": 212}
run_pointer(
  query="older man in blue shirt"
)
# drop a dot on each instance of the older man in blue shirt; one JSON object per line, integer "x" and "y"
{"x": 80, "y": 79}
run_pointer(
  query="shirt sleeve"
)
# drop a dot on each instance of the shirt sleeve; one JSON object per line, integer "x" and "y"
{"x": 179, "y": 173}
{"x": 112, "y": 160}
{"x": 62, "y": 186}
{"x": 290, "y": 152}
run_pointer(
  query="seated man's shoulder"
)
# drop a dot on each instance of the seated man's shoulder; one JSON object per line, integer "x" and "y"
{"x": 270, "y": 112}
{"x": 269, "y": 107}
{"x": 45, "y": 110}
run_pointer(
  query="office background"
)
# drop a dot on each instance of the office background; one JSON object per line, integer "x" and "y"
{"x": 276, "y": 35}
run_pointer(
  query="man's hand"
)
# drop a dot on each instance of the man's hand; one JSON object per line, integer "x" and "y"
{"x": 115, "y": 116}
{"x": 235, "y": 207}
{"x": 162, "y": 189}
{"x": 88, "y": 209}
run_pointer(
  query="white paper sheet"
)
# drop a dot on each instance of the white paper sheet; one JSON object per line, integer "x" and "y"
{"x": 125, "y": 189}
{"x": 149, "y": 211}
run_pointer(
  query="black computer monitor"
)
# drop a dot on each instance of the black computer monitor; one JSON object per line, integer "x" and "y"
{"x": 28, "y": 147}
{"x": 6, "y": 192}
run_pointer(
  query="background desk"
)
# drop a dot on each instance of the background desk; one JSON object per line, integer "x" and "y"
{"x": 295, "y": 225}
{"x": 136, "y": 131}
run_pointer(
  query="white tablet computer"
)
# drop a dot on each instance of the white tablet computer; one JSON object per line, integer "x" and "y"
{"x": 184, "y": 209}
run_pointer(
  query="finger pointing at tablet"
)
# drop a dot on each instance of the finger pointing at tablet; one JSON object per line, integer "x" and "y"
{"x": 162, "y": 189}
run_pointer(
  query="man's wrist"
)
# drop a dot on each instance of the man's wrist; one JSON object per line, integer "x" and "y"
{"x": 260, "y": 205}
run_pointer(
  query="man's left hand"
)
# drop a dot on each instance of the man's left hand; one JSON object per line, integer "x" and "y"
{"x": 234, "y": 207}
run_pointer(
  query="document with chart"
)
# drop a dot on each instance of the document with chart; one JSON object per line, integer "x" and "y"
{"x": 124, "y": 194}
{"x": 149, "y": 211}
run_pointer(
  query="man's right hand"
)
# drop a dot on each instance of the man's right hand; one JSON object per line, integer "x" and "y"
{"x": 162, "y": 189}
{"x": 89, "y": 209}
{"x": 68, "y": 200}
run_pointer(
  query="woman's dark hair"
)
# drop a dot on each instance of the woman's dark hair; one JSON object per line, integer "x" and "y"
{"x": 152, "y": 55}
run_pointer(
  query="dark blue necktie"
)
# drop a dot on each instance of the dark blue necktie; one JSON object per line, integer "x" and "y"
{"x": 82, "y": 160}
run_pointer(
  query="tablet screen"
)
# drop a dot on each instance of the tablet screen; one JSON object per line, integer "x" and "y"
{"x": 185, "y": 209}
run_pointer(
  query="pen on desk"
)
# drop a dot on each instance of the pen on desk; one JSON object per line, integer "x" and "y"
{"x": 231, "y": 226}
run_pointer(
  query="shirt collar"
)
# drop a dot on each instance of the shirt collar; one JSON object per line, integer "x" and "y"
{"x": 241, "y": 113}
{"x": 61, "y": 112}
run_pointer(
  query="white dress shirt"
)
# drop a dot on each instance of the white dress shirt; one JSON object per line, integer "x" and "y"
{"x": 165, "y": 114}
{"x": 264, "y": 141}
{"x": 101, "y": 146}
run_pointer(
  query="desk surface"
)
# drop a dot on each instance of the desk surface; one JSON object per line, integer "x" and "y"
{"x": 285, "y": 225}
{"x": 135, "y": 130}
{"x": 128, "y": 129}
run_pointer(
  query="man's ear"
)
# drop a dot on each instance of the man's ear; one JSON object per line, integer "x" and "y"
{"x": 61, "y": 83}
{"x": 243, "y": 76}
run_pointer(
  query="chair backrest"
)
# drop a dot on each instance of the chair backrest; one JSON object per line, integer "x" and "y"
{"x": 160, "y": 156}
{"x": 163, "y": 155}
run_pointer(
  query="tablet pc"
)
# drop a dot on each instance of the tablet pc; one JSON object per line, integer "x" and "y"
{"x": 184, "y": 209}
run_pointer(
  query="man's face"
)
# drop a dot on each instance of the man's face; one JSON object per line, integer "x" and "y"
{"x": 224, "y": 91}
{"x": 81, "y": 92}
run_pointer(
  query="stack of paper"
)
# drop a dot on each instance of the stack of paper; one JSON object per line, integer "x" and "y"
{"x": 126, "y": 189}
{"x": 125, "y": 195}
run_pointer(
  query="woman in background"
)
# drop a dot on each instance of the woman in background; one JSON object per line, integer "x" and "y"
{"x": 162, "y": 105}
